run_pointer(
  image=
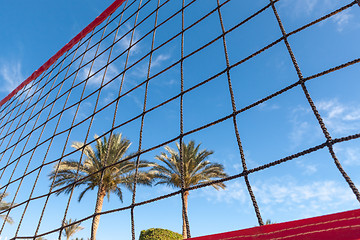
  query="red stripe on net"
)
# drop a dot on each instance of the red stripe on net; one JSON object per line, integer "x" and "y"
{"x": 104, "y": 15}
{"x": 344, "y": 225}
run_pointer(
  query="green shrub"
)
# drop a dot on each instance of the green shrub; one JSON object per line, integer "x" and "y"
{"x": 159, "y": 234}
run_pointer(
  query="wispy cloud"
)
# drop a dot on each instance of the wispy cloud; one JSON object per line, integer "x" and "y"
{"x": 352, "y": 156}
{"x": 141, "y": 70}
{"x": 308, "y": 7}
{"x": 99, "y": 63}
{"x": 303, "y": 127}
{"x": 109, "y": 97}
{"x": 137, "y": 73}
{"x": 250, "y": 162}
{"x": 268, "y": 106}
{"x": 349, "y": 155}
{"x": 85, "y": 109}
{"x": 133, "y": 76}
{"x": 11, "y": 75}
{"x": 159, "y": 60}
{"x": 136, "y": 100}
{"x": 339, "y": 117}
{"x": 234, "y": 192}
{"x": 308, "y": 169}
{"x": 342, "y": 20}
{"x": 308, "y": 199}
{"x": 301, "y": 8}
{"x": 116, "y": 67}
{"x": 286, "y": 194}
{"x": 124, "y": 43}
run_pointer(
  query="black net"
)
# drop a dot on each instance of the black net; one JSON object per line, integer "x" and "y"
{"x": 159, "y": 72}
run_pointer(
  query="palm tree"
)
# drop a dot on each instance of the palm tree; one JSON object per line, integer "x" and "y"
{"x": 197, "y": 170}
{"x": 4, "y": 206}
{"x": 107, "y": 152}
{"x": 71, "y": 230}
{"x": 268, "y": 222}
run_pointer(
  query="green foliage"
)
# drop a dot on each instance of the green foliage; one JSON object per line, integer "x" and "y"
{"x": 197, "y": 169}
{"x": 269, "y": 222}
{"x": 159, "y": 234}
{"x": 91, "y": 173}
{"x": 107, "y": 152}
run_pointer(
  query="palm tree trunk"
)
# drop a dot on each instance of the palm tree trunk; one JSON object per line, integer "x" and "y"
{"x": 184, "y": 232}
{"x": 98, "y": 208}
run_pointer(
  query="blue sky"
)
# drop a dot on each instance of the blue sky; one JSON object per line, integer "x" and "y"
{"x": 305, "y": 187}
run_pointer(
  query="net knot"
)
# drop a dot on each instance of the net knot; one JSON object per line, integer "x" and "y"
{"x": 329, "y": 142}
{"x": 245, "y": 173}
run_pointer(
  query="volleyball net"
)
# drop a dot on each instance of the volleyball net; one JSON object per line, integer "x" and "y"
{"x": 160, "y": 73}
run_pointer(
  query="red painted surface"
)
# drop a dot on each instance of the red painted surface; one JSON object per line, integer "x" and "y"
{"x": 344, "y": 225}
{"x": 111, "y": 9}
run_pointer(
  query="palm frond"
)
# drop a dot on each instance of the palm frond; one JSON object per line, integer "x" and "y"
{"x": 107, "y": 152}
{"x": 5, "y": 206}
{"x": 196, "y": 168}
{"x": 72, "y": 229}
{"x": 84, "y": 191}
{"x": 7, "y": 219}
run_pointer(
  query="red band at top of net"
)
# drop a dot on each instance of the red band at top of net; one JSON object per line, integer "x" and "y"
{"x": 111, "y": 9}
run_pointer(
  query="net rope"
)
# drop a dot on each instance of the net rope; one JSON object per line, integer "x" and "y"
{"x": 42, "y": 104}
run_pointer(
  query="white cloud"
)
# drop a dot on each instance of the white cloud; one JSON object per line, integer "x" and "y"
{"x": 287, "y": 195}
{"x": 234, "y": 192}
{"x": 342, "y": 19}
{"x": 141, "y": 70}
{"x": 349, "y": 155}
{"x": 171, "y": 82}
{"x": 158, "y": 61}
{"x": 124, "y": 43}
{"x": 352, "y": 156}
{"x": 139, "y": 103}
{"x": 85, "y": 109}
{"x": 10, "y": 75}
{"x": 99, "y": 63}
{"x": 306, "y": 5}
{"x": 317, "y": 8}
{"x": 109, "y": 98}
{"x": 309, "y": 169}
{"x": 304, "y": 199}
{"x": 134, "y": 76}
{"x": 303, "y": 127}
{"x": 300, "y": 7}
{"x": 268, "y": 107}
{"x": 297, "y": 135}
{"x": 339, "y": 117}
